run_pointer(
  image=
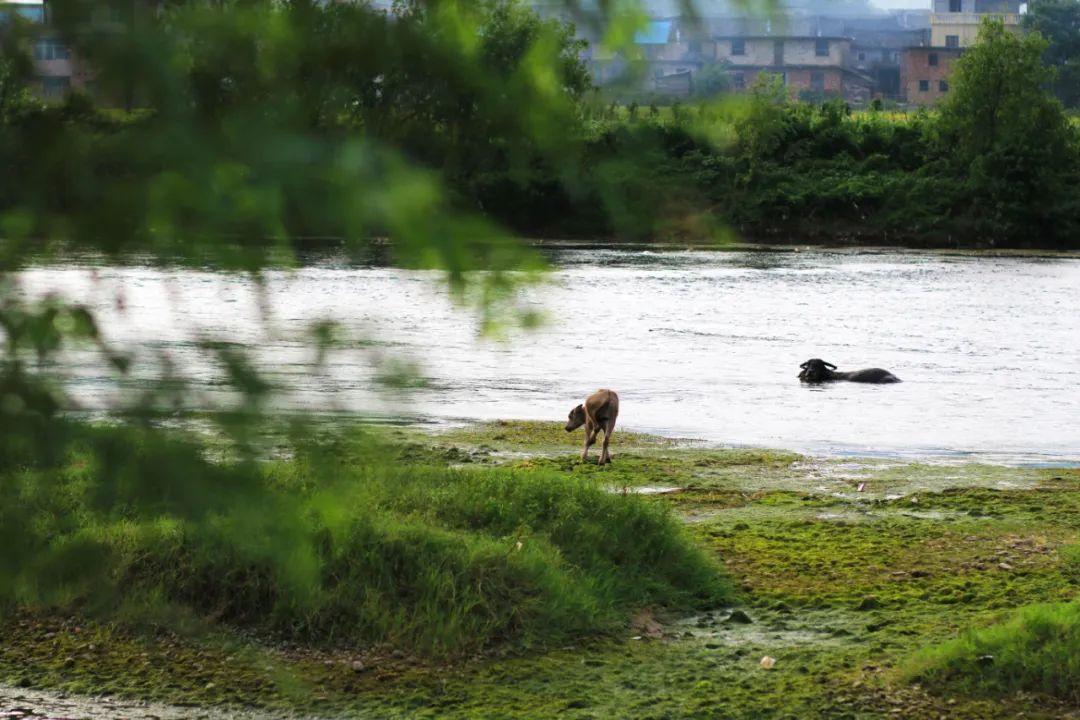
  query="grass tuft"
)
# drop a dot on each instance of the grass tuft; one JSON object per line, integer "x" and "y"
{"x": 1036, "y": 650}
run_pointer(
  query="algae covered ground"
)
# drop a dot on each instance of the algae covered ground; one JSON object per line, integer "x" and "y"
{"x": 843, "y": 572}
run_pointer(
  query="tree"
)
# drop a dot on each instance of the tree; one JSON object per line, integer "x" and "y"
{"x": 1007, "y": 135}
{"x": 1059, "y": 22}
{"x": 712, "y": 80}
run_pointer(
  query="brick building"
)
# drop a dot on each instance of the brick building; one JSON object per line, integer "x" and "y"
{"x": 806, "y": 65}
{"x": 955, "y": 23}
{"x": 925, "y": 72}
{"x": 878, "y": 42}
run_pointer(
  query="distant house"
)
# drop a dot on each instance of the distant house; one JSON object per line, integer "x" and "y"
{"x": 672, "y": 60}
{"x": 955, "y": 23}
{"x": 805, "y": 64}
{"x": 854, "y": 54}
{"x": 663, "y": 57}
{"x": 925, "y": 73}
{"x": 677, "y": 84}
{"x": 56, "y": 69}
{"x": 877, "y": 44}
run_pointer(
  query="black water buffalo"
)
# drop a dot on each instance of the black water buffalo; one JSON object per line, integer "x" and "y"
{"x": 819, "y": 371}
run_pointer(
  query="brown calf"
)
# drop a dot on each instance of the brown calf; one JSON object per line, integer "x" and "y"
{"x": 597, "y": 413}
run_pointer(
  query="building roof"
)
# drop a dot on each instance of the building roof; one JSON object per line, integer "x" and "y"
{"x": 657, "y": 32}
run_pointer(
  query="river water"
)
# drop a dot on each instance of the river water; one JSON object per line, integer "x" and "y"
{"x": 698, "y": 344}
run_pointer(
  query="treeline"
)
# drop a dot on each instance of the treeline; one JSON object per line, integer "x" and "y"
{"x": 513, "y": 134}
{"x": 996, "y": 166}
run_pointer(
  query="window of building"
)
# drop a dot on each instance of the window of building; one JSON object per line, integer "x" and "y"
{"x": 53, "y": 88}
{"x": 821, "y": 48}
{"x": 695, "y": 46}
{"x": 50, "y": 50}
{"x": 817, "y": 81}
{"x": 924, "y": 86}
{"x": 738, "y": 47}
{"x": 862, "y": 57}
{"x": 738, "y": 81}
{"x": 943, "y": 85}
{"x": 956, "y": 5}
{"x": 952, "y": 41}
{"x": 932, "y": 59}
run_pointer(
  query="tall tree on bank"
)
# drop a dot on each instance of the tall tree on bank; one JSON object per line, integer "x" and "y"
{"x": 1010, "y": 138}
{"x": 1059, "y": 22}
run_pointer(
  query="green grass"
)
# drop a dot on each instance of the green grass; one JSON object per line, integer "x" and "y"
{"x": 844, "y": 586}
{"x": 1036, "y": 650}
{"x": 342, "y": 543}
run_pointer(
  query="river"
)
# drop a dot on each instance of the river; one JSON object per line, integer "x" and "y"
{"x": 700, "y": 344}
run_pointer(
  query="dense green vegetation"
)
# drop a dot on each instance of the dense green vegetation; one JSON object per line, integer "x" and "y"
{"x": 997, "y": 166}
{"x": 1059, "y": 22}
{"x": 346, "y": 544}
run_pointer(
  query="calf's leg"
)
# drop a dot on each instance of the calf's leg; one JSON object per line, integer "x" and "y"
{"x": 590, "y": 438}
{"x": 605, "y": 456}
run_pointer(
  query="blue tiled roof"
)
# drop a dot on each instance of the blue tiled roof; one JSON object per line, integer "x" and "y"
{"x": 656, "y": 32}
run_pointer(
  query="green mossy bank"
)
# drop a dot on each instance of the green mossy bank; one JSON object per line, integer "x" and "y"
{"x": 1035, "y": 650}
{"x": 344, "y": 542}
{"x": 863, "y": 579}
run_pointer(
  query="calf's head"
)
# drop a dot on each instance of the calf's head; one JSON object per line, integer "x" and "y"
{"x": 576, "y": 418}
{"x": 816, "y": 370}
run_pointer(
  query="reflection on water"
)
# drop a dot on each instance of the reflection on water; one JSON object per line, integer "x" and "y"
{"x": 701, "y": 344}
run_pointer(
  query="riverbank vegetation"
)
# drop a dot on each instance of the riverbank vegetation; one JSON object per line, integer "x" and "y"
{"x": 513, "y": 134}
{"x": 843, "y": 571}
{"x": 344, "y": 545}
{"x": 996, "y": 166}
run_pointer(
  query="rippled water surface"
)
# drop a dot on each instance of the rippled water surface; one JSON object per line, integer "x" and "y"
{"x": 698, "y": 344}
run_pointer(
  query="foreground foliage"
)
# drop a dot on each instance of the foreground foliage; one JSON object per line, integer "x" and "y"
{"x": 345, "y": 545}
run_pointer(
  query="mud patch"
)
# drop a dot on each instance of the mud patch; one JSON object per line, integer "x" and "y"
{"x": 765, "y": 630}
{"x": 24, "y": 704}
{"x": 648, "y": 490}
